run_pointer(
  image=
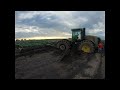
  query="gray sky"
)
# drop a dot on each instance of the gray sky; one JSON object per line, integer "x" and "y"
{"x": 58, "y": 24}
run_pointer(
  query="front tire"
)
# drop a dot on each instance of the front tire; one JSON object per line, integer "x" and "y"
{"x": 63, "y": 45}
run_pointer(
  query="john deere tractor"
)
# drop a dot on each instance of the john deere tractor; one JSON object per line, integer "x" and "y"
{"x": 82, "y": 42}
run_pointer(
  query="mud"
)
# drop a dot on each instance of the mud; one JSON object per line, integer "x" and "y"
{"x": 45, "y": 64}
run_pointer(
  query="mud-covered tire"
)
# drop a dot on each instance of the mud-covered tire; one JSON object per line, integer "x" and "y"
{"x": 63, "y": 45}
{"x": 88, "y": 43}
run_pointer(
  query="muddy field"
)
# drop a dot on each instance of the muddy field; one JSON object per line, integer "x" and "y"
{"x": 47, "y": 64}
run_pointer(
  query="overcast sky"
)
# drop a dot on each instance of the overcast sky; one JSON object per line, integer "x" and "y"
{"x": 58, "y": 24}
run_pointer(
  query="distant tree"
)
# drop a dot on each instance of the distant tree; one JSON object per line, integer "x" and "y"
{"x": 17, "y": 40}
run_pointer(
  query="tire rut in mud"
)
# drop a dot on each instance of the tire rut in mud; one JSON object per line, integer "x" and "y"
{"x": 30, "y": 52}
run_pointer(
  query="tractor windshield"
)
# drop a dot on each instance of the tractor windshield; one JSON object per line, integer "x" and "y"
{"x": 76, "y": 35}
{"x": 79, "y": 35}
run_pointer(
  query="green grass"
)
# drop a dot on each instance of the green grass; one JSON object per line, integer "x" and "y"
{"x": 33, "y": 43}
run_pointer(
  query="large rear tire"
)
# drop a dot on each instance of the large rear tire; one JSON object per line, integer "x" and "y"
{"x": 86, "y": 46}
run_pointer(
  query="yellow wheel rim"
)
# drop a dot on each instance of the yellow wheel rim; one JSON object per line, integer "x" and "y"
{"x": 86, "y": 48}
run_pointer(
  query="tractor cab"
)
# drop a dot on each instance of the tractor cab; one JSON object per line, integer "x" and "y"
{"x": 78, "y": 34}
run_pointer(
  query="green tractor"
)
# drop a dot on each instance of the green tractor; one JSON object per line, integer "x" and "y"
{"x": 82, "y": 42}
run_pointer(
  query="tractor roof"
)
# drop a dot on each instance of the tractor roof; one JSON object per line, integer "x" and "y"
{"x": 77, "y": 29}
